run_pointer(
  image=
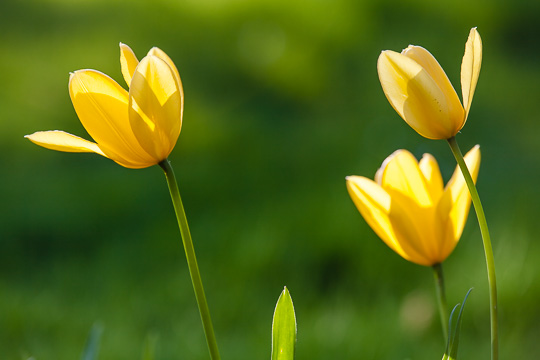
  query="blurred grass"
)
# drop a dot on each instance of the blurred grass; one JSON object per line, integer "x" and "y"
{"x": 282, "y": 102}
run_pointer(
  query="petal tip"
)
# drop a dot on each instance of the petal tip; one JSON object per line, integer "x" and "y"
{"x": 385, "y": 53}
{"x": 76, "y": 72}
{"x": 124, "y": 46}
{"x": 154, "y": 51}
{"x": 409, "y": 48}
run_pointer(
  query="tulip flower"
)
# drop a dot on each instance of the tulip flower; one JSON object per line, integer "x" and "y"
{"x": 409, "y": 209}
{"x": 136, "y": 129}
{"x": 419, "y": 90}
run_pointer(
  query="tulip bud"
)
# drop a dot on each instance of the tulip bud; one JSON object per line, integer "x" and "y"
{"x": 419, "y": 90}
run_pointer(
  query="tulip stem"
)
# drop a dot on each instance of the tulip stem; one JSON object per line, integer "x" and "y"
{"x": 191, "y": 259}
{"x": 441, "y": 298}
{"x": 487, "y": 246}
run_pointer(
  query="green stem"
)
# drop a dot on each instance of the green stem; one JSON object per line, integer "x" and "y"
{"x": 487, "y": 246}
{"x": 441, "y": 298}
{"x": 191, "y": 259}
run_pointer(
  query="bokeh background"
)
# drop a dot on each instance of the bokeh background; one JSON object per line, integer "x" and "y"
{"x": 282, "y": 102}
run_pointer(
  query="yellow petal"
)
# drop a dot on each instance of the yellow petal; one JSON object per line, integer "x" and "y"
{"x": 427, "y": 106}
{"x": 430, "y": 169}
{"x": 470, "y": 68}
{"x": 63, "y": 141}
{"x": 128, "y": 62}
{"x": 402, "y": 177}
{"x": 102, "y": 107}
{"x": 378, "y": 175}
{"x": 454, "y": 205}
{"x": 389, "y": 221}
{"x": 163, "y": 56}
{"x": 404, "y": 181}
{"x": 155, "y": 106}
{"x": 434, "y": 69}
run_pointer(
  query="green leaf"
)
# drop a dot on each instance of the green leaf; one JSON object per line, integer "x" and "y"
{"x": 284, "y": 328}
{"x": 450, "y": 336}
{"x": 150, "y": 344}
{"x": 453, "y": 332}
{"x": 92, "y": 343}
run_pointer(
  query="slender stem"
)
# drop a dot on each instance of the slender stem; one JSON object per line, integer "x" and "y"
{"x": 191, "y": 259}
{"x": 487, "y": 246}
{"x": 441, "y": 298}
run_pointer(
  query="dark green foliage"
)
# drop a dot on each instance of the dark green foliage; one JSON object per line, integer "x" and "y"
{"x": 282, "y": 102}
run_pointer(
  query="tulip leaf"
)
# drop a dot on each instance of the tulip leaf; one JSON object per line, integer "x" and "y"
{"x": 149, "y": 350}
{"x": 284, "y": 328}
{"x": 92, "y": 343}
{"x": 453, "y": 332}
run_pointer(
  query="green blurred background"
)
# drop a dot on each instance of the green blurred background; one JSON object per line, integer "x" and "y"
{"x": 282, "y": 102}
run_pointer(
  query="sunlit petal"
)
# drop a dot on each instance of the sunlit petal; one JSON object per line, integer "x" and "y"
{"x": 163, "y": 56}
{"x": 430, "y": 169}
{"x": 402, "y": 176}
{"x": 416, "y": 97}
{"x": 407, "y": 186}
{"x": 102, "y": 107}
{"x": 470, "y": 68}
{"x": 434, "y": 69}
{"x": 63, "y": 141}
{"x": 128, "y": 62}
{"x": 378, "y": 175}
{"x": 155, "y": 106}
{"x": 431, "y": 65}
{"x": 389, "y": 221}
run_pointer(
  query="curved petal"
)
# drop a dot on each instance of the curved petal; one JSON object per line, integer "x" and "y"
{"x": 402, "y": 175}
{"x": 430, "y": 169}
{"x": 63, "y": 141}
{"x": 102, "y": 107}
{"x": 429, "y": 109}
{"x": 470, "y": 68}
{"x": 155, "y": 106}
{"x": 389, "y": 221}
{"x": 163, "y": 56}
{"x": 403, "y": 179}
{"x": 434, "y": 69}
{"x": 128, "y": 62}
{"x": 378, "y": 175}
{"x": 453, "y": 208}
{"x": 428, "y": 62}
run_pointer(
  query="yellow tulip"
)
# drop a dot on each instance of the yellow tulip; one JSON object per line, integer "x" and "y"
{"x": 419, "y": 90}
{"x": 409, "y": 209}
{"x": 136, "y": 129}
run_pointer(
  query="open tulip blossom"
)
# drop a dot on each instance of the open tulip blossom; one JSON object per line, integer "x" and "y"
{"x": 419, "y": 90}
{"x": 136, "y": 129}
{"x": 409, "y": 209}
